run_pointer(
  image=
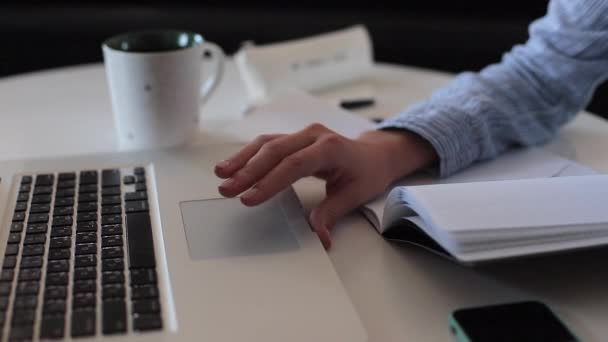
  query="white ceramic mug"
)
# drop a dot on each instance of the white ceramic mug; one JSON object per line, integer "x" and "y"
{"x": 157, "y": 87}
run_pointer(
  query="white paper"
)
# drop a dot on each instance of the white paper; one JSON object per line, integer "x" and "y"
{"x": 291, "y": 112}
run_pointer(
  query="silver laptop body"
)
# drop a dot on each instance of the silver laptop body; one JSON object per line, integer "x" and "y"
{"x": 159, "y": 256}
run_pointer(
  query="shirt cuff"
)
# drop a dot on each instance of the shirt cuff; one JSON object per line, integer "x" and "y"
{"x": 447, "y": 130}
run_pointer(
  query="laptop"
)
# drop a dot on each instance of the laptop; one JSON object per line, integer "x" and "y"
{"x": 140, "y": 246}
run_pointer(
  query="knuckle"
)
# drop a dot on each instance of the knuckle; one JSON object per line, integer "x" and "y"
{"x": 316, "y": 128}
{"x": 272, "y": 148}
{"x": 264, "y": 138}
{"x": 294, "y": 162}
{"x": 331, "y": 140}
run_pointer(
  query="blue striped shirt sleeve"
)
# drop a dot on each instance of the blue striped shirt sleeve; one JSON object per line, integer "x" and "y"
{"x": 523, "y": 100}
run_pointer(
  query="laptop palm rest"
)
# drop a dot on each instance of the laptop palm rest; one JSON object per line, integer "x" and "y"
{"x": 220, "y": 228}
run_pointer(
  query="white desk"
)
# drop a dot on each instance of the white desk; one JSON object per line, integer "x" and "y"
{"x": 400, "y": 292}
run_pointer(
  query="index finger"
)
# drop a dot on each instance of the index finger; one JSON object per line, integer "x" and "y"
{"x": 227, "y": 167}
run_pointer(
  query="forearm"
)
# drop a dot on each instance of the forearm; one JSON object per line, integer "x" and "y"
{"x": 524, "y": 99}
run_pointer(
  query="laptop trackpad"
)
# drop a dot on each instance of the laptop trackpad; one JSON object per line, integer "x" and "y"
{"x": 217, "y": 228}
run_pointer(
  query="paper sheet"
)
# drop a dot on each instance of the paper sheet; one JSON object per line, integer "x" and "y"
{"x": 291, "y": 112}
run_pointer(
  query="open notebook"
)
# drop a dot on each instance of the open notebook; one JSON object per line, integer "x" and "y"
{"x": 483, "y": 221}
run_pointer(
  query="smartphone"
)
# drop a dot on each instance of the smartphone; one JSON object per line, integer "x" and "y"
{"x": 521, "y": 321}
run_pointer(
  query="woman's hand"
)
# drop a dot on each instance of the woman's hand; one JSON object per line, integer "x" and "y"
{"x": 355, "y": 171}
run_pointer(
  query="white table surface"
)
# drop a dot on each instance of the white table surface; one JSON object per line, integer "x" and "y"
{"x": 401, "y": 293}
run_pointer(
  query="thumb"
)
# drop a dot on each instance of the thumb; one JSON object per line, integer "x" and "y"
{"x": 334, "y": 206}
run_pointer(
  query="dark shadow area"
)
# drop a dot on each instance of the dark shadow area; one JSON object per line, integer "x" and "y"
{"x": 451, "y": 36}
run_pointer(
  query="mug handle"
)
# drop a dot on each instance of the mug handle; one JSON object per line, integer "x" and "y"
{"x": 212, "y": 52}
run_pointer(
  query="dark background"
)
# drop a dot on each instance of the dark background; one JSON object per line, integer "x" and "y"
{"x": 446, "y": 35}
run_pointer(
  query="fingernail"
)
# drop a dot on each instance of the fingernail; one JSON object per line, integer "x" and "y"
{"x": 228, "y": 183}
{"x": 251, "y": 194}
{"x": 223, "y": 164}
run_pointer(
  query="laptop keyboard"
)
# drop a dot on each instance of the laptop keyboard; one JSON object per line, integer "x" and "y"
{"x": 79, "y": 258}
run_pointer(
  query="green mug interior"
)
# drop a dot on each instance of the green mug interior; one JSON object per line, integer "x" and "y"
{"x": 153, "y": 41}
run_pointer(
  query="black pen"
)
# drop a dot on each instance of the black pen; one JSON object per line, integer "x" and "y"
{"x": 357, "y": 103}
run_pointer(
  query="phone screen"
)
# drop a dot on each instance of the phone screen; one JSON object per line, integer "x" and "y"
{"x": 524, "y": 321}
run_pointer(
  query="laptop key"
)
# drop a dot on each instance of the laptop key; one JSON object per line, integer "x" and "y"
{"x": 110, "y": 177}
{"x": 146, "y": 306}
{"x": 111, "y": 252}
{"x": 26, "y": 180}
{"x": 54, "y": 306}
{"x": 41, "y": 199}
{"x": 114, "y": 316}
{"x": 144, "y": 322}
{"x": 37, "y": 228}
{"x": 66, "y": 184}
{"x": 16, "y": 227}
{"x": 60, "y": 279}
{"x": 14, "y": 238}
{"x": 27, "y": 288}
{"x": 25, "y": 302}
{"x": 85, "y": 273}
{"x": 64, "y": 176}
{"x": 30, "y": 274}
{"x": 31, "y": 262}
{"x": 62, "y": 221}
{"x": 11, "y": 249}
{"x": 112, "y": 229}
{"x": 110, "y": 191}
{"x": 45, "y": 179}
{"x": 21, "y": 206}
{"x": 83, "y": 322}
{"x": 143, "y": 276}
{"x": 86, "y": 248}
{"x": 64, "y": 202}
{"x": 55, "y": 266}
{"x": 87, "y": 217}
{"x": 111, "y": 240}
{"x": 59, "y": 254}
{"x": 61, "y": 231}
{"x": 110, "y": 200}
{"x": 89, "y": 226}
{"x": 64, "y": 211}
{"x": 111, "y": 219}
{"x": 52, "y": 326}
{"x": 21, "y": 333}
{"x": 88, "y": 177}
{"x": 91, "y": 188}
{"x": 115, "y": 264}
{"x": 111, "y": 209}
{"x": 86, "y": 237}
{"x": 87, "y": 197}
{"x": 40, "y": 208}
{"x": 30, "y": 250}
{"x": 61, "y": 242}
{"x": 136, "y": 196}
{"x": 82, "y": 286}
{"x": 23, "y": 197}
{"x": 9, "y": 261}
{"x": 112, "y": 277}
{"x": 113, "y": 291}
{"x": 67, "y": 192}
{"x": 84, "y": 300}
{"x": 140, "y": 243}
{"x": 144, "y": 291}
{"x": 18, "y": 216}
{"x": 55, "y": 292}
{"x": 7, "y": 275}
{"x": 5, "y": 289}
{"x": 31, "y": 239}
{"x": 85, "y": 260}
{"x": 128, "y": 179}
{"x": 43, "y": 190}
{"x": 136, "y": 206}
{"x": 88, "y": 206}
